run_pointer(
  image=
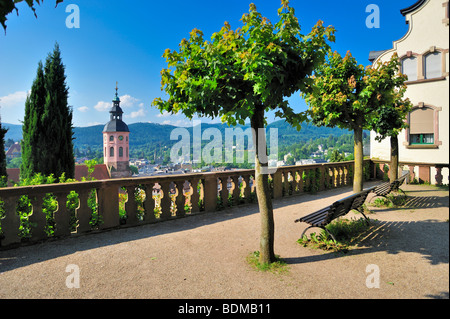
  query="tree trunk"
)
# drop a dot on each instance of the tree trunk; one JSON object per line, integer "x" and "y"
{"x": 394, "y": 159}
{"x": 358, "y": 152}
{"x": 267, "y": 254}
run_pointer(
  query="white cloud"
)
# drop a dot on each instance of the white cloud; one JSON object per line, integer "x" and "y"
{"x": 127, "y": 100}
{"x": 163, "y": 114}
{"x": 102, "y": 106}
{"x": 138, "y": 113}
{"x": 83, "y": 109}
{"x": 13, "y": 99}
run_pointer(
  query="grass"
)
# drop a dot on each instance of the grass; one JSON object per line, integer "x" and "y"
{"x": 277, "y": 267}
{"x": 347, "y": 232}
{"x": 391, "y": 202}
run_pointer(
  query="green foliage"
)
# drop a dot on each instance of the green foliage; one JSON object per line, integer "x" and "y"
{"x": 336, "y": 156}
{"x": 7, "y": 6}
{"x": 347, "y": 233}
{"x": 311, "y": 180}
{"x": 238, "y": 71}
{"x": 392, "y": 110}
{"x": 277, "y": 267}
{"x": 47, "y": 128}
{"x": 3, "y": 173}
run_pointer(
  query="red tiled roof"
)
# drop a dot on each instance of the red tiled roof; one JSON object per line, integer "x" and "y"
{"x": 100, "y": 172}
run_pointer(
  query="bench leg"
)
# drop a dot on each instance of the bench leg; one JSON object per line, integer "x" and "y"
{"x": 404, "y": 194}
{"x": 324, "y": 228}
{"x": 367, "y": 218}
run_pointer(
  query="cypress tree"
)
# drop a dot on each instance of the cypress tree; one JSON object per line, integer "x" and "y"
{"x": 3, "y": 173}
{"x": 32, "y": 128}
{"x": 47, "y": 128}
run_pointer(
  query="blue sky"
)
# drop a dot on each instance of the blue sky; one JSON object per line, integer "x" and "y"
{"x": 124, "y": 41}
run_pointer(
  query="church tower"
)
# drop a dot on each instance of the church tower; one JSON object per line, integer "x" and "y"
{"x": 116, "y": 137}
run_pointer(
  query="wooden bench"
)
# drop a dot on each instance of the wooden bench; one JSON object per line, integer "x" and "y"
{"x": 324, "y": 216}
{"x": 388, "y": 187}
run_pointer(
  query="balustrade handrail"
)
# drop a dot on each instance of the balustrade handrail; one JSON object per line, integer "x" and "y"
{"x": 204, "y": 192}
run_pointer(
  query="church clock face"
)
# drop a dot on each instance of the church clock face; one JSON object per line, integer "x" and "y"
{"x": 120, "y": 137}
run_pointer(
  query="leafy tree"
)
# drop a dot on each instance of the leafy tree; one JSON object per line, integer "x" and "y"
{"x": 393, "y": 109}
{"x": 7, "y": 6}
{"x": 47, "y": 128}
{"x": 344, "y": 94}
{"x": 240, "y": 74}
{"x": 336, "y": 156}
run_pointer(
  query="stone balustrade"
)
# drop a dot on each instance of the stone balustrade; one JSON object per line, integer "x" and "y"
{"x": 115, "y": 203}
{"x": 435, "y": 174}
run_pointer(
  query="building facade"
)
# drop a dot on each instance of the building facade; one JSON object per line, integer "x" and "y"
{"x": 116, "y": 141}
{"x": 424, "y": 56}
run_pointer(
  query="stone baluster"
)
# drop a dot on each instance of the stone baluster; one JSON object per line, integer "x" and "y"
{"x": 236, "y": 189}
{"x": 11, "y": 222}
{"x": 62, "y": 216}
{"x": 300, "y": 181}
{"x": 108, "y": 205}
{"x": 131, "y": 206}
{"x": 37, "y": 218}
{"x": 224, "y": 190}
{"x": 412, "y": 176}
{"x": 84, "y": 212}
{"x": 210, "y": 192}
{"x": 180, "y": 199}
{"x": 166, "y": 201}
{"x": 286, "y": 183}
{"x": 438, "y": 177}
{"x": 247, "y": 188}
{"x": 195, "y": 195}
{"x": 149, "y": 204}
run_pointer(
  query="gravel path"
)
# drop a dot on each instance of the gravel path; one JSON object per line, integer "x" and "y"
{"x": 204, "y": 256}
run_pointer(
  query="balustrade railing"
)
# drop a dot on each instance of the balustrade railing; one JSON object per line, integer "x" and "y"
{"x": 34, "y": 213}
{"x": 429, "y": 173}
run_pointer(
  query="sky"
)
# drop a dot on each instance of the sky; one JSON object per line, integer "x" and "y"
{"x": 124, "y": 41}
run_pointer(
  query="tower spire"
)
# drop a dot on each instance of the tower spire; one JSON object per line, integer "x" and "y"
{"x": 116, "y": 87}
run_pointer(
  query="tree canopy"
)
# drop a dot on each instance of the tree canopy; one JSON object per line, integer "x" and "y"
{"x": 7, "y": 6}
{"x": 238, "y": 71}
{"x": 238, "y": 75}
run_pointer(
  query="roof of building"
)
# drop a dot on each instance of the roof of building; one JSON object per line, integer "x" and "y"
{"x": 15, "y": 148}
{"x": 116, "y": 126}
{"x": 373, "y": 55}
{"x": 412, "y": 8}
{"x": 100, "y": 172}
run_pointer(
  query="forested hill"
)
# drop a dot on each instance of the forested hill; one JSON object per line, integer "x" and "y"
{"x": 146, "y": 138}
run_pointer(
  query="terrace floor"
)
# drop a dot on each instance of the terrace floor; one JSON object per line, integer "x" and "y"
{"x": 204, "y": 256}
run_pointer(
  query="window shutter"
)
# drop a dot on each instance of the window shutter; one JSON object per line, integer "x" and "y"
{"x": 409, "y": 67}
{"x": 433, "y": 68}
{"x": 421, "y": 121}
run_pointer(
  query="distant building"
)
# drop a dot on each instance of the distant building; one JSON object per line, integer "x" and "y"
{"x": 116, "y": 143}
{"x": 424, "y": 55}
{"x": 14, "y": 151}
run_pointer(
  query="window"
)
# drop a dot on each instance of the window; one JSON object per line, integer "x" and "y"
{"x": 120, "y": 151}
{"x": 111, "y": 152}
{"x": 433, "y": 65}
{"x": 409, "y": 67}
{"x": 422, "y": 139}
{"x": 421, "y": 126}
{"x": 120, "y": 137}
{"x": 111, "y": 138}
